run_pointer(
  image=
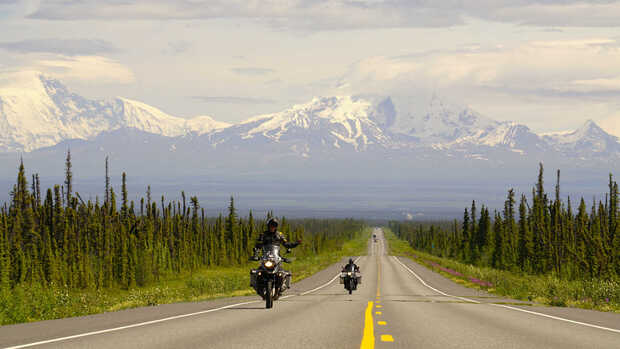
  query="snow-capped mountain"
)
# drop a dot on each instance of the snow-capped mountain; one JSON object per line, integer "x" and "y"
{"x": 587, "y": 140}
{"x": 37, "y": 111}
{"x": 323, "y": 123}
{"x": 439, "y": 121}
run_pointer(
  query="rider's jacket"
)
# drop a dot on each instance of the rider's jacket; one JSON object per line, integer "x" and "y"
{"x": 277, "y": 238}
{"x": 351, "y": 267}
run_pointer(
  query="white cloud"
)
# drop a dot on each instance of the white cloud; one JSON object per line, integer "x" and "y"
{"x": 532, "y": 67}
{"x": 612, "y": 124}
{"x": 346, "y": 14}
{"x": 86, "y": 68}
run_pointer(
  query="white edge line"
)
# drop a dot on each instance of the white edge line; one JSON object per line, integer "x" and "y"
{"x": 557, "y": 318}
{"x": 431, "y": 287}
{"x": 126, "y": 327}
{"x": 60, "y": 339}
{"x": 509, "y": 307}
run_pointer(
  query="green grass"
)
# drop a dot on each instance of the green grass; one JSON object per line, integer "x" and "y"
{"x": 27, "y": 303}
{"x": 542, "y": 289}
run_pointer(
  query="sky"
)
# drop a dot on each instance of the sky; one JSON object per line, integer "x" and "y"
{"x": 550, "y": 64}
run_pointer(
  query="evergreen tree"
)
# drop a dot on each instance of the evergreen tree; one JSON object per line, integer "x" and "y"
{"x": 68, "y": 179}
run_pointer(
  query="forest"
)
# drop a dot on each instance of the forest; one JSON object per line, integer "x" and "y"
{"x": 56, "y": 239}
{"x": 539, "y": 235}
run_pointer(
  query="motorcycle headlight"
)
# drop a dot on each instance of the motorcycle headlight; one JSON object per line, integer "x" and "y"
{"x": 349, "y": 273}
{"x": 269, "y": 264}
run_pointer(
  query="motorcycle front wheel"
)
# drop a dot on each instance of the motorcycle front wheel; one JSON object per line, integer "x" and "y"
{"x": 269, "y": 295}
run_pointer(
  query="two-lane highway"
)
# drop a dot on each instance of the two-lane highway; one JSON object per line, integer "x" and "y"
{"x": 400, "y": 304}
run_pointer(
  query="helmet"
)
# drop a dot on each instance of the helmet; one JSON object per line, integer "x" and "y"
{"x": 273, "y": 221}
{"x": 350, "y": 260}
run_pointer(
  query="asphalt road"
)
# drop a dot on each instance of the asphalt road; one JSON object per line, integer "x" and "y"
{"x": 400, "y": 304}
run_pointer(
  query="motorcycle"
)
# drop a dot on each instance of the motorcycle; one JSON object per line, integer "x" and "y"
{"x": 270, "y": 280}
{"x": 350, "y": 279}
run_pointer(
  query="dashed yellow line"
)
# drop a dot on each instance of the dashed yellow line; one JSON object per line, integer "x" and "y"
{"x": 368, "y": 340}
{"x": 379, "y": 306}
{"x": 382, "y": 323}
{"x": 378, "y": 312}
{"x": 386, "y": 338}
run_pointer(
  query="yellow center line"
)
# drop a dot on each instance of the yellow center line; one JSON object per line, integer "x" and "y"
{"x": 386, "y": 338}
{"x": 368, "y": 340}
{"x": 382, "y": 323}
{"x": 378, "y": 312}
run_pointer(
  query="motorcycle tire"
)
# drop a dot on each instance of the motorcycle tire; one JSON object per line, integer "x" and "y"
{"x": 269, "y": 295}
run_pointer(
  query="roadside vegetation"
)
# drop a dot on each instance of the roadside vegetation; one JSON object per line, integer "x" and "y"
{"x": 61, "y": 256}
{"x": 548, "y": 254}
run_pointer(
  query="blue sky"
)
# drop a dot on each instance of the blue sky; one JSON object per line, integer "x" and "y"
{"x": 551, "y": 64}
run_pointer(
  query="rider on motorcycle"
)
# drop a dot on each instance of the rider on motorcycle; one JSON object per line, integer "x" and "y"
{"x": 351, "y": 266}
{"x": 273, "y": 237}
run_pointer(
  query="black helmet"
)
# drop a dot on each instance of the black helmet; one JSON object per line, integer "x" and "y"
{"x": 350, "y": 260}
{"x": 273, "y": 221}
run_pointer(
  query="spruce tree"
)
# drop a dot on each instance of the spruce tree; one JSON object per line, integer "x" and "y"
{"x": 68, "y": 179}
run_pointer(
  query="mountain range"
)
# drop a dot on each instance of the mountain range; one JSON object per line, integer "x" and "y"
{"x": 40, "y": 116}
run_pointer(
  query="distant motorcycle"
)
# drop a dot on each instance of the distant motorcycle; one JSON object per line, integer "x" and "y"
{"x": 270, "y": 280}
{"x": 350, "y": 278}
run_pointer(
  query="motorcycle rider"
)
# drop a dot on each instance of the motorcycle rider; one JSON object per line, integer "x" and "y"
{"x": 351, "y": 266}
{"x": 273, "y": 237}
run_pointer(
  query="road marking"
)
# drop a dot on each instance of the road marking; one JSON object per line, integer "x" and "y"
{"x": 128, "y": 326}
{"x": 509, "y": 307}
{"x": 387, "y": 338}
{"x": 379, "y": 306}
{"x": 140, "y": 324}
{"x": 378, "y": 312}
{"x": 368, "y": 340}
{"x": 431, "y": 287}
{"x": 382, "y": 323}
{"x": 558, "y": 318}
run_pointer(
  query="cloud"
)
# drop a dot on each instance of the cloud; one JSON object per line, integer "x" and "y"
{"x": 68, "y": 47}
{"x": 86, "y": 68}
{"x": 233, "y": 100}
{"x": 252, "y": 71}
{"x": 177, "y": 47}
{"x": 612, "y": 124}
{"x": 345, "y": 14}
{"x": 570, "y": 67}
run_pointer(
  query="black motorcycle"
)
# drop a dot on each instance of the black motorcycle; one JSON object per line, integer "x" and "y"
{"x": 350, "y": 278}
{"x": 270, "y": 280}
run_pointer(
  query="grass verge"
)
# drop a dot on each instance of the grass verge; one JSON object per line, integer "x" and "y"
{"x": 27, "y": 303}
{"x": 541, "y": 289}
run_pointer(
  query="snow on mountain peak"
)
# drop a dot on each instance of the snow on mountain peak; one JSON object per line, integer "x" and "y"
{"x": 587, "y": 138}
{"x": 38, "y": 111}
{"x": 438, "y": 121}
{"x": 330, "y": 120}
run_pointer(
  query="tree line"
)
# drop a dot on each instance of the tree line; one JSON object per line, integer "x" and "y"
{"x": 542, "y": 235}
{"x": 56, "y": 238}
